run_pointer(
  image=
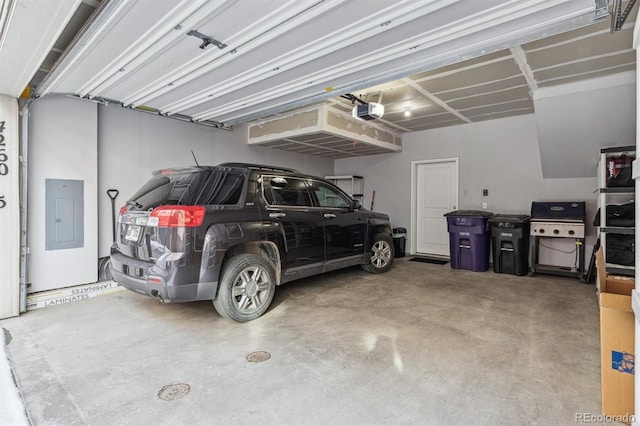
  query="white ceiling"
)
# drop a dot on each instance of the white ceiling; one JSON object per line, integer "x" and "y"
{"x": 275, "y": 55}
{"x": 503, "y": 83}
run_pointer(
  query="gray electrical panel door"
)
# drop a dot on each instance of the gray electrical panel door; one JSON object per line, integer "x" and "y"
{"x": 64, "y": 214}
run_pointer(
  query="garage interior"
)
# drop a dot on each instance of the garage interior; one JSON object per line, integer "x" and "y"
{"x": 523, "y": 95}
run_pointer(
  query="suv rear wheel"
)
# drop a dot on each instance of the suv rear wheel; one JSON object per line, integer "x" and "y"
{"x": 246, "y": 288}
{"x": 381, "y": 254}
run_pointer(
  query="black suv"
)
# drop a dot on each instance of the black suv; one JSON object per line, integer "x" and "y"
{"x": 233, "y": 232}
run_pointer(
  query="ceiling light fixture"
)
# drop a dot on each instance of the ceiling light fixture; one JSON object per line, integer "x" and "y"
{"x": 407, "y": 111}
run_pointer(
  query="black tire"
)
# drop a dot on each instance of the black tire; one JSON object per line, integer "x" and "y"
{"x": 104, "y": 269}
{"x": 246, "y": 289}
{"x": 382, "y": 254}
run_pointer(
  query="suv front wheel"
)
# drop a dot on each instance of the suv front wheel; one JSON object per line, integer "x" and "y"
{"x": 381, "y": 254}
{"x": 246, "y": 288}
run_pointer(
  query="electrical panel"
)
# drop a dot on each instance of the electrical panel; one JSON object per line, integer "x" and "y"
{"x": 64, "y": 214}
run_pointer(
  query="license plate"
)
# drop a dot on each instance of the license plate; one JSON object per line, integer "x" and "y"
{"x": 133, "y": 233}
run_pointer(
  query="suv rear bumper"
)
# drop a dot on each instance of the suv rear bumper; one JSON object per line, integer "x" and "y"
{"x": 165, "y": 293}
{"x": 140, "y": 285}
{"x": 155, "y": 285}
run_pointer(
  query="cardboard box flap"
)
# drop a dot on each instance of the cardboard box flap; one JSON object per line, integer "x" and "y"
{"x": 602, "y": 270}
{"x": 618, "y": 302}
{"x": 617, "y": 285}
{"x": 612, "y": 283}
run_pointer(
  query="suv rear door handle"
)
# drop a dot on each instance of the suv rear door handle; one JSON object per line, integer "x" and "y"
{"x": 329, "y": 215}
{"x": 276, "y": 215}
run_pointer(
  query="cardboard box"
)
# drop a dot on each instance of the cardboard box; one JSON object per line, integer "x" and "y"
{"x": 617, "y": 350}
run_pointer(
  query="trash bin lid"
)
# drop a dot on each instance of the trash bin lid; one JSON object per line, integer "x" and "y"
{"x": 513, "y": 218}
{"x": 475, "y": 213}
{"x": 399, "y": 230}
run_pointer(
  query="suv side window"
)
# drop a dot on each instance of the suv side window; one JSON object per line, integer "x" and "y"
{"x": 328, "y": 196}
{"x": 191, "y": 188}
{"x": 223, "y": 188}
{"x": 285, "y": 191}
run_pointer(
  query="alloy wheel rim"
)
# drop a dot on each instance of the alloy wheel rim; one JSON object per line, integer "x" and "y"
{"x": 251, "y": 289}
{"x": 380, "y": 254}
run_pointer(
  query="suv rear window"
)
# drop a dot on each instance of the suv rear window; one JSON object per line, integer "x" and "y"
{"x": 191, "y": 188}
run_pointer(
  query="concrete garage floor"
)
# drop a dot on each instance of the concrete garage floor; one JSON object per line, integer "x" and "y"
{"x": 422, "y": 344}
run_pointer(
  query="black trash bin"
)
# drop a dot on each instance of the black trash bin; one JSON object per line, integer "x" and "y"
{"x": 469, "y": 239}
{"x": 399, "y": 241}
{"x": 510, "y": 238}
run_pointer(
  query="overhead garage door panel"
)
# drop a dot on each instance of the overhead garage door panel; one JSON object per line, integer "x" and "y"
{"x": 317, "y": 44}
{"x": 240, "y": 29}
{"x": 312, "y": 82}
{"x": 141, "y": 54}
{"x": 128, "y": 26}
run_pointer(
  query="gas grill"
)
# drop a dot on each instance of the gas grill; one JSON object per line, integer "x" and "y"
{"x": 563, "y": 219}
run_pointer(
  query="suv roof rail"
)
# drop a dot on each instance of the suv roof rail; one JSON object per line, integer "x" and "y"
{"x": 259, "y": 167}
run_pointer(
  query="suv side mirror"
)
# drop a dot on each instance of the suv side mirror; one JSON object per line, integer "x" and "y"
{"x": 355, "y": 205}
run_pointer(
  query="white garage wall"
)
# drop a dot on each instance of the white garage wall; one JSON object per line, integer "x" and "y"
{"x": 63, "y": 145}
{"x": 577, "y": 119}
{"x": 110, "y": 147}
{"x": 499, "y": 155}
{"x": 502, "y": 156}
{"x": 9, "y": 208}
{"x": 132, "y": 144}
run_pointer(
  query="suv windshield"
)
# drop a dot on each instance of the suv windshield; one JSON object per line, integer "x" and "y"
{"x": 193, "y": 187}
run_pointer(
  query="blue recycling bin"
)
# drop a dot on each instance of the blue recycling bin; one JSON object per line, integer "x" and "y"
{"x": 469, "y": 239}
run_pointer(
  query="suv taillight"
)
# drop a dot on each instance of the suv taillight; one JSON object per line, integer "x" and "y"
{"x": 174, "y": 216}
{"x": 123, "y": 210}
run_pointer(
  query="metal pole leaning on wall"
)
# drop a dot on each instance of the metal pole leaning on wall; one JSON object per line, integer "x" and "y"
{"x": 24, "y": 169}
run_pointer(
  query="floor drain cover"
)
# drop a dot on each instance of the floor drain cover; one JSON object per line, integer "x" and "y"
{"x": 258, "y": 356}
{"x": 172, "y": 392}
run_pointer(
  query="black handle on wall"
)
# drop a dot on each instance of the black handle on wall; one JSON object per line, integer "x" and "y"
{"x": 113, "y": 194}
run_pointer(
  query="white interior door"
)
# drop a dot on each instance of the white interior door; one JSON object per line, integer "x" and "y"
{"x": 436, "y": 193}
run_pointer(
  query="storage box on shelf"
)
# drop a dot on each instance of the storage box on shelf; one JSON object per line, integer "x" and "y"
{"x": 615, "y": 221}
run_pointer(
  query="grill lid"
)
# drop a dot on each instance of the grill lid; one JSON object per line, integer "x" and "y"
{"x": 558, "y": 210}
